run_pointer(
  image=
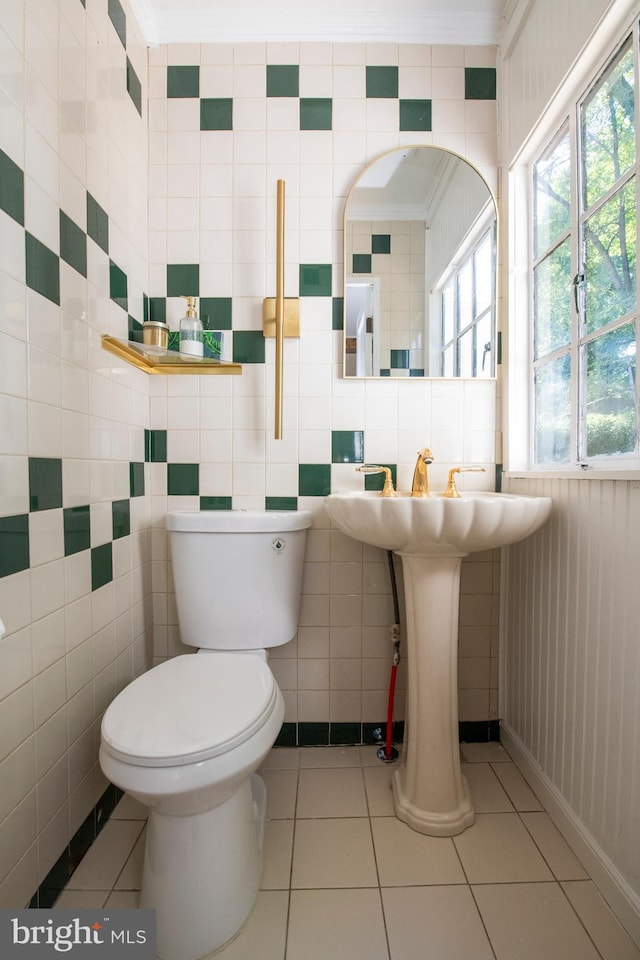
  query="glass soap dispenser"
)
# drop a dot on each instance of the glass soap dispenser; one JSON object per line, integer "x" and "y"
{"x": 191, "y": 339}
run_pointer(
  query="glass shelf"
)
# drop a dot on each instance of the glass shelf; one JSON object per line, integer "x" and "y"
{"x": 158, "y": 361}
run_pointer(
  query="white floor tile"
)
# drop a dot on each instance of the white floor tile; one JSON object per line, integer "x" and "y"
{"x": 131, "y": 875}
{"x": 282, "y": 758}
{"x": 498, "y": 849}
{"x": 377, "y": 782}
{"x": 336, "y": 924}
{"x": 554, "y": 848}
{"x": 407, "y": 858}
{"x": 603, "y": 927}
{"x": 103, "y": 862}
{"x": 265, "y": 932}
{"x": 124, "y": 899}
{"x": 435, "y": 923}
{"x": 329, "y": 757}
{"x": 331, "y": 792}
{"x": 81, "y": 899}
{"x": 519, "y": 791}
{"x": 282, "y": 787}
{"x": 278, "y": 849}
{"x": 484, "y": 753}
{"x": 487, "y": 795}
{"x": 532, "y": 921}
{"x": 129, "y": 809}
{"x": 333, "y": 853}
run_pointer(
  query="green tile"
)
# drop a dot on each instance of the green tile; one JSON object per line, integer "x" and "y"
{"x": 158, "y": 309}
{"x": 281, "y": 503}
{"x": 381, "y": 243}
{"x": 73, "y": 244}
{"x": 480, "y": 83}
{"x": 347, "y": 446}
{"x": 157, "y": 449}
{"x": 215, "y": 503}
{"x": 382, "y": 82}
{"x": 248, "y": 346}
{"x": 216, "y": 313}
{"x": 101, "y": 565}
{"x": 361, "y": 263}
{"x": 399, "y": 359}
{"x": 136, "y": 479}
{"x": 121, "y": 518}
{"x": 416, "y": 372}
{"x": 375, "y": 481}
{"x": 118, "y": 285}
{"x": 315, "y": 279}
{"x": 134, "y": 87}
{"x": 283, "y": 80}
{"x": 145, "y": 308}
{"x": 314, "y": 479}
{"x": 345, "y": 733}
{"x": 183, "y": 479}
{"x": 119, "y": 20}
{"x": 134, "y": 329}
{"x": 415, "y": 114}
{"x": 14, "y": 544}
{"x": 313, "y": 734}
{"x": 385, "y": 372}
{"x": 183, "y": 82}
{"x": 11, "y": 188}
{"x": 316, "y": 113}
{"x": 45, "y": 483}
{"x": 288, "y": 736}
{"x": 183, "y": 280}
{"x": 337, "y": 316}
{"x": 77, "y": 529}
{"x": 216, "y": 113}
{"x": 97, "y": 224}
{"x": 43, "y": 269}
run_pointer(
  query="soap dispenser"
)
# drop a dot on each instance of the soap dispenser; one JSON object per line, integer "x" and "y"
{"x": 191, "y": 338}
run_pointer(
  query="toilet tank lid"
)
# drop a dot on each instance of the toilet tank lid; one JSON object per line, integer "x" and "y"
{"x": 238, "y": 521}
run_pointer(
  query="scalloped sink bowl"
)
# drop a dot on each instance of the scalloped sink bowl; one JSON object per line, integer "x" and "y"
{"x": 437, "y": 526}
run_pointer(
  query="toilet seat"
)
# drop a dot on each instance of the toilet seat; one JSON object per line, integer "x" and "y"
{"x": 189, "y": 709}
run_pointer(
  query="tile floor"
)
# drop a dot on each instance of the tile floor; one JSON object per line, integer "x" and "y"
{"x": 344, "y": 880}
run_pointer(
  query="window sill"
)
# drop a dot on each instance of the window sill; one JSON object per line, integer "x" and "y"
{"x": 632, "y": 473}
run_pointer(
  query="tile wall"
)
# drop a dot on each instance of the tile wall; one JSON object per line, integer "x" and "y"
{"x": 74, "y": 542}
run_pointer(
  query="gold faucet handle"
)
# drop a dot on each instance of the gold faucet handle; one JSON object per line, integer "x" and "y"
{"x": 451, "y": 490}
{"x": 387, "y": 488}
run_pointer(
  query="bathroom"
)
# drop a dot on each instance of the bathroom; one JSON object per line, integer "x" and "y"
{"x": 132, "y": 173}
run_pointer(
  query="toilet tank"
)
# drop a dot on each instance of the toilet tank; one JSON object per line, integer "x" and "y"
{"x": 237, "y": 576}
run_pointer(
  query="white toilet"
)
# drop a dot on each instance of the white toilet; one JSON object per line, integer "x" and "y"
{"x": 186, "y": 737}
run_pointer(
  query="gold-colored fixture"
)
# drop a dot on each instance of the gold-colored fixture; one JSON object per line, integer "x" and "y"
{"x": 387, "y": 488}
{"x": 420, "y": 484}
{"x": 280, "y": 316}
{"x": 153, "y": 359}
{"x": 451, "y": 490}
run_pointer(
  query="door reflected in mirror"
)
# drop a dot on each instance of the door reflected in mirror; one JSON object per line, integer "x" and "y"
{"x": 420, "y": 268}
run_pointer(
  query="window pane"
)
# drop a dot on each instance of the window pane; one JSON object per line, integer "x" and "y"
{"x": 553, "y": 405}
{"x": 448, "y": 328}
{"x": 484, "y": 362}
{"x": 484, "y": 275}
{"x": 610, "y": 259}
{"x": 611, "y": 405}
{"x": 553, "y": 307}
{"x": 465, "y": 295}
{"x": 465, "y": 354}
{"x": 552, "y": 195}
{"x": 448, "y": 368}
{"x": 608, "y": 130}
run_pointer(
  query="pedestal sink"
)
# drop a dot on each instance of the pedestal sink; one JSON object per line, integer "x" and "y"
{"x": 432, "y": 535}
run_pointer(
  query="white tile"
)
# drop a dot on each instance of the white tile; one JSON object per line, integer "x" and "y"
{"x": 81, "y": 899}
{"x": 439, "y": 922}
{"x": 331, "y": 793}
{"x": 278, "y": 851}
{"x": 341, "y": 924}
{"x": 378, "y": 786}
{"x": 408, "y": 858}
{"x": 532, "y": 920}
{"x": 104, "y": 861}
{"x": 487, "y": 795}
{"x": 130, "y": 877}
{"x": 520, "y": 793}
{"x": 333, "y": 853}
{"x": 330, "y": 757}
{"x": 264, "y": 933}
{"x": 484, "y": 753}
{"x": 498, "y": 849}
{"x": 602, "y": 926}
{"x": 553, "y": 847}
{"x": 281, "y": 786}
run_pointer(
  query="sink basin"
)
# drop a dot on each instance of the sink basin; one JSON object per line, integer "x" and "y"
{"x": 437, "y": 526}
{"x": 432, "y": 535}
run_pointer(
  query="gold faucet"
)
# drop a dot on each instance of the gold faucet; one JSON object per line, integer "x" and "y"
{"x": 451, "y": 490}
{"x": 387, "y": 488}
{"x": 420, "y": 484}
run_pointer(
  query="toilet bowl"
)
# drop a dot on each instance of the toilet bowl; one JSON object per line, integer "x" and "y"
{"x": 187, "y": 737}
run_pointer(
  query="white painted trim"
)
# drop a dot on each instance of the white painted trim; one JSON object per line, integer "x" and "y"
{"x": 145, "y": 14}
{"x": 617, "y": 892}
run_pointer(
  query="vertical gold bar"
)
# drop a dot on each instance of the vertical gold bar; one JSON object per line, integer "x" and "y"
{"x": 279, "y": 307}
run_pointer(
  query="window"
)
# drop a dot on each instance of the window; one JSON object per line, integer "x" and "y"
{"x": 583, "y": 278}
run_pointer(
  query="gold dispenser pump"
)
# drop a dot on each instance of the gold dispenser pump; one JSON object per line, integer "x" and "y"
{"x": 280, "y": 317}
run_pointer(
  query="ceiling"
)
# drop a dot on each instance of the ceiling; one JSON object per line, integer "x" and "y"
{"x": 371, "y": 21}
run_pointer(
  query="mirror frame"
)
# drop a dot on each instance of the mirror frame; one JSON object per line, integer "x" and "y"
{"x": 347, "y": 276}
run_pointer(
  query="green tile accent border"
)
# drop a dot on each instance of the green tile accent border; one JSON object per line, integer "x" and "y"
{"x": 215, "y": 503}
{"x": 288, "y": 736}
{"x": 480, "y": 83}
{"x": 183, "y": 479}
{"x": 45, "y": 483}
{"x": 347, "y": 446}
{"x": 216, "y": 113}
{"x": 77, "y": 529}
{"x": 134, "y": 87}
{"x": 97, "y": 223}
{"x": 119, "y": 20}
{"x": 283, "y": 80}
{"x": 316, "y": 113}
{"x": 183, "y": 82}
{"x": 337, "y": 314}
{"x": 118, "y": 285}
{"x": 313, "y": 734}
{"x": 14, "y": 544}
{"x": 315, "y": 279}
{"x": 314, "y": 479}
{"x": 120, "y": 518}
{"x": 73, "y": 244}
{"x": 11, "y": 188}
{"x": 136, "y": 479}
{"x": 382, "y": 82}
{"x": 281, "y": 503}
{"x": 42, "y": 269}
{"x": 415, "y": 115}
{"x": 101, "y": 565}
{"x": 248, "y": 346}
{"x": 361, "y": 263}
{"x": 346, "y": 734}
{"x": 183, "y": 279}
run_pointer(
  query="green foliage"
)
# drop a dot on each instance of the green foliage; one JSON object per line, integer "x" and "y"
{"x": 611, "y": 433}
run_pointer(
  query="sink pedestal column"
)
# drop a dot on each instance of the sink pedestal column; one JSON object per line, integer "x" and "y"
{"x": 429, "y": 792}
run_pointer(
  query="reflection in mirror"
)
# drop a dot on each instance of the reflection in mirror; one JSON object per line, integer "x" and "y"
{"x": 420, "y": 274}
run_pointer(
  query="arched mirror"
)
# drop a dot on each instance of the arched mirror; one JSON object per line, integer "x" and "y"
{"x": 420, "y": 268}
